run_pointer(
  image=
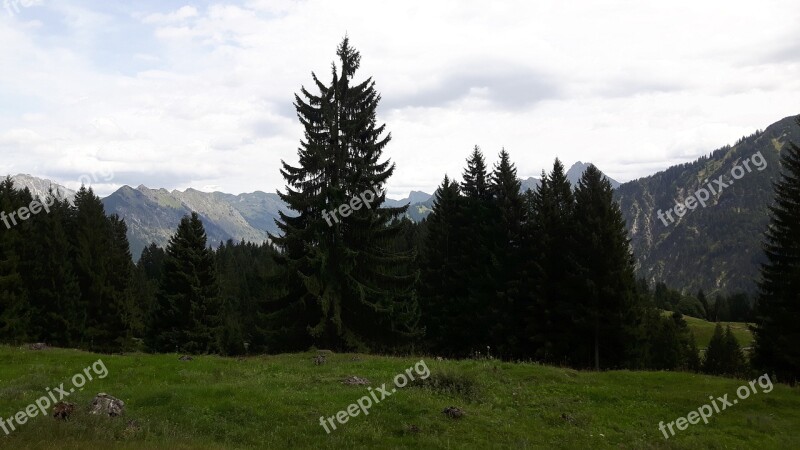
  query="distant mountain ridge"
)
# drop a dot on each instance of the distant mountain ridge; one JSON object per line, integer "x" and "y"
{"x": 152, "y": 215}
{"x": 40, "y": 187}
{"x": 718, "y": 247}
{"x": 574, "y": 174}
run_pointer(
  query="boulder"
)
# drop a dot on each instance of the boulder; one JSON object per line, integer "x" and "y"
{"x": 107, "y": 405}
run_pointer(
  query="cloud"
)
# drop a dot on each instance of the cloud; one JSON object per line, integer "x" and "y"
{"x": 179, "y": 94}
{"x": 507, "y": 88}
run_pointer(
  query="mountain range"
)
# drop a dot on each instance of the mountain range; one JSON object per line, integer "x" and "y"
{"x": 716, "y": 248}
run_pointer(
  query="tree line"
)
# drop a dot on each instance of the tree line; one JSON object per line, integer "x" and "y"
{"x": 544, "y": 275}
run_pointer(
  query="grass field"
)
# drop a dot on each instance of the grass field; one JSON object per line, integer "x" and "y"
{"x": 276, "y": 402}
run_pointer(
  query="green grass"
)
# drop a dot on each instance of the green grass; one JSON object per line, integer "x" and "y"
{"x": 276, "y": 402}
{"x": 703, "y": 330}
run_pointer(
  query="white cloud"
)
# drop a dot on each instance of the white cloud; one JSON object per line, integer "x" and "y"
{"x": 631, "y": 86}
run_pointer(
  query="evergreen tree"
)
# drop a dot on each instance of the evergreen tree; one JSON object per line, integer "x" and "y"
{"x": 340, "y": 291}
{"x": 144, "y": 283}
{"x": 714, "y": 361}
{"x": 99, "y": 251}
{"x": 15, "y": 314}
{"x": 694, "y": 363}
{"x": 721, "y": 309}
{"x": 50, "y": 273}
{"x": 777, "y": 336}
{"x": 186, "y": 315}
{"x": 509, "y": 308}
{"x": 605, "y": 309}
{"x": 701, "y": 297}
{"x": 443, "y": 288}
{"x": 664, "y": 343}
{"x": 479, "y": 263}
{"x": 128, "y": 306}
{"x": 152, "y": 262}
{"x": 244, "y": 270}
{"x": 733, "y": 352}
{"x": 476, "y": 177}
{"x": 553, "y": 225}
{"x": 723, "y": 356}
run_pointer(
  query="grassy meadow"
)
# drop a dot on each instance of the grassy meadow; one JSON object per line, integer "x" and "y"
{"x": 276, "y": 402}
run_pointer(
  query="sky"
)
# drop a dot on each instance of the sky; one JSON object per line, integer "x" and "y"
{"x": 178, "y": 94}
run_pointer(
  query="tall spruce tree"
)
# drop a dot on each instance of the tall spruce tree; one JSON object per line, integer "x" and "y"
{"x": 129, "y": 309}
{"x": 186, "y": 316}
{"x": 479, "y": 263}
{"x": 50, "y": 273}
{"x": 552, "y": 219}
{"x": 443, "y": 288}
{"x": 777, "y": 336}
{"x": 509, "y": 307}
{"x": 146, "y": 280}
{"x": 606, "y": 311}
{"x": 341, "y": 291}
{"x": 15, "y": 314}
{"x": 101, "y": 269}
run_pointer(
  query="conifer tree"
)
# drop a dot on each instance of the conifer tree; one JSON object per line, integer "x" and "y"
{"x": 186, "y": 315}
{"x": 15, "y": 311}
{"x": 340, "y": 290}
{"x": 129, "y": 308}
{"x": 733, "y": 351}
{"x": 553, "y": 226}
{"x": 701, "y": 297}
{"x": 50, "y": 273}
{"x": 443, "y": 288}
{"x": 714, "y": 361}
{"x": 243, "y": 270}
{"x": 145, "y": 281}
{"x": 724, "y": 355}
{"x": 605, "y": 302}
{"x": 476, "y": 177}
{"x": 98, "y": 251}
{"x": 479, "y": 258}
{"x": 777, "y": 336}
{"x": 663, "y": 343}
{"x": 510, "y": 305}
